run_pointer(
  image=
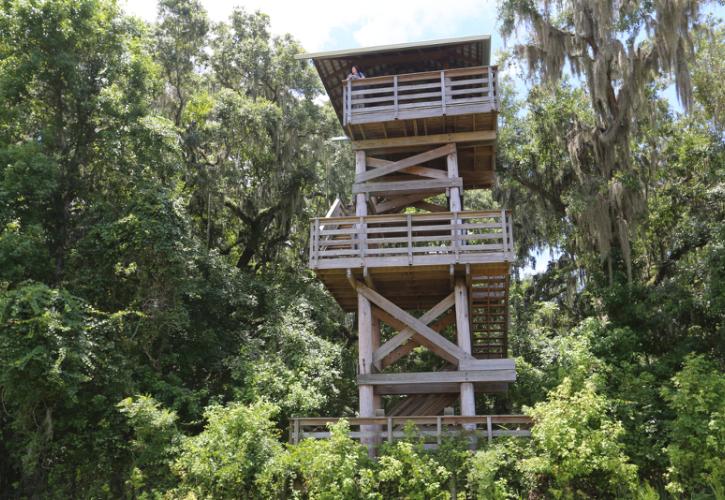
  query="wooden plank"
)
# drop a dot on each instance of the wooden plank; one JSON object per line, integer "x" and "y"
{"x": 406, "y": 162}
{"x": 460, "y": 376}
{"x": 403, "y": 187}
{"x": 433, "y": 173}
{"x": 400, "y": 202}
{"x": 431, "y": 207}
{"x": 450, "y": 351}
{"x": 424, "y": 140}
{"x": 488, "y": 364}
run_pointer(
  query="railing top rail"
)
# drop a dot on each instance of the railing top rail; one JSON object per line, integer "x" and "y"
{"x": 445, "y": 419}
{"x": 406, "y": 77}
{"x": 468, "y": 214}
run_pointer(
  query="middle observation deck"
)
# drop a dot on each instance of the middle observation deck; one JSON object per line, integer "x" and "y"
{"x": 411, "y": 258}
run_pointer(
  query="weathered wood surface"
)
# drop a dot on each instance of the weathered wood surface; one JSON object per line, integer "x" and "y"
{"x": 421, "y": 95}
{"x": 432, "y": 339}
{"x": 410, "y": 240}
{"x": 458, "y": 376}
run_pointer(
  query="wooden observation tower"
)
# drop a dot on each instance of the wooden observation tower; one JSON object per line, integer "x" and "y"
{"x": 423, "y": 127}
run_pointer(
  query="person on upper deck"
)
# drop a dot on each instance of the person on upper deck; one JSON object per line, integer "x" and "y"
{"x": 355, "y": 74}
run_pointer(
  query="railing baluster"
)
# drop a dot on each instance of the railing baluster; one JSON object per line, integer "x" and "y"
{"x": 410, "y": 240}
{"x": 317, "y": 240}
{"x": 455, "y": 234}
{"x": 443, "y": 91}
{"x": 395, "y": 95}
{"x": 349, "y": 101}
{"x": 312, "y": 242}
{"x": 504, "y": 231}
{"x": 362, "y": 239}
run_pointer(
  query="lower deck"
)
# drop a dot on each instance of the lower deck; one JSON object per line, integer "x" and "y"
{"x": 432, "y": 429}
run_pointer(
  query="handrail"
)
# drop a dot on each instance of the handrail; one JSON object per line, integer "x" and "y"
{"x": 418, "y": 95}
{"x": 389, "y": 428}
{"x": 411, "y": 239}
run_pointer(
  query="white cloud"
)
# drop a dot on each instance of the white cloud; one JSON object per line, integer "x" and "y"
{"x": 372, "y": 22}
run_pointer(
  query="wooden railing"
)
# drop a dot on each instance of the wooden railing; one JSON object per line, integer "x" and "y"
{"x": 411, "y": 239}
{"x": 420, "y": 95}
{"x": 433, "y": 428}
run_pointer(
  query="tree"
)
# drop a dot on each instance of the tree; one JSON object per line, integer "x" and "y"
{"x": 603, "y": 45}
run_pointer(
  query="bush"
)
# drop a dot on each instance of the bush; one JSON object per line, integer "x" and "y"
{"x": 236, "y": 444}
{"x": 697, "y": 447}
{"x": 577, "y": 448}
{"x": 322, "y": 469}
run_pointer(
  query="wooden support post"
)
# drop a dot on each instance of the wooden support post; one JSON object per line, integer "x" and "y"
{"x": 455, "y": 204}
{"x": 365, "y": 363}
{"x": 455, "y": 192}
{"x": 361, "y": 207}
{"x": 468, "y": 398}
{"x": 364, "y": 329}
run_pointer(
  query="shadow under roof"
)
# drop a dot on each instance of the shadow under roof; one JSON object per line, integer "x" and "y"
{"x": 334, "y": 66}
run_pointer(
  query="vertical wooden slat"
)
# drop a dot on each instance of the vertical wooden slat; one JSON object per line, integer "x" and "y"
{"x": 390, "y": 429}
{"x": 312, "y": 243}
{"x": 410, "y": 240}
{"x": 317, "y": 240}
{"x": 395, "y": 95}
{"x": 489, "y": 429}
{"x": 443, "y": 91}
{"x": 438, "y": 429}
{"x": 297, "y": 431}
{"x": 504, "y": 231}
{"x": 349, "y": 101}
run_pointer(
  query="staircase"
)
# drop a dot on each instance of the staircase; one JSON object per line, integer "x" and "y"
{"x": 422, "y": 404}
{"x": 488, "y": 298}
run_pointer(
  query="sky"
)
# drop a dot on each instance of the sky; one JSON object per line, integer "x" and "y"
{"x": 328, "y": 25}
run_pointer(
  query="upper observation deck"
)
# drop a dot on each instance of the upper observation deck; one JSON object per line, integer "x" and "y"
{"x": 416, "y": 95}
{"x": 430, "y": 94}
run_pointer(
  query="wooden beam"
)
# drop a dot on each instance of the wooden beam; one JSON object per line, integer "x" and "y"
{"x": 403, "y": 187}
{"x": 404, "y": 163}
{"x": 449, "y": 351}
{"x": 431, "y": 207}
{"x": 406, "y": 332}
{"x": 464, "y": 376}
{"x": 488, "y": 364}
{"x": 400, "y": 202}
{"x": 439, "y": 388}
{"x": 426, "y": 140}
{"x": 433, "y": 173}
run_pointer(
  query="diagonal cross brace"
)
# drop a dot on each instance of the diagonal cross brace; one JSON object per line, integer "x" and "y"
{"x": 407, "y": 333}
{"x": 446, "y": 349}
{"x": 405, "y": 162}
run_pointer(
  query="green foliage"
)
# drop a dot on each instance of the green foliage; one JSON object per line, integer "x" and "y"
{"x": 577, "y": 447}
{"x": 494, "y": 472}
{"x": 405, "y": 470}
{"x": 235, "y": 446}
{"x": 155, "y": 442}
{"x": 697, "y": 434}
{"x": 326, "y": 469}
